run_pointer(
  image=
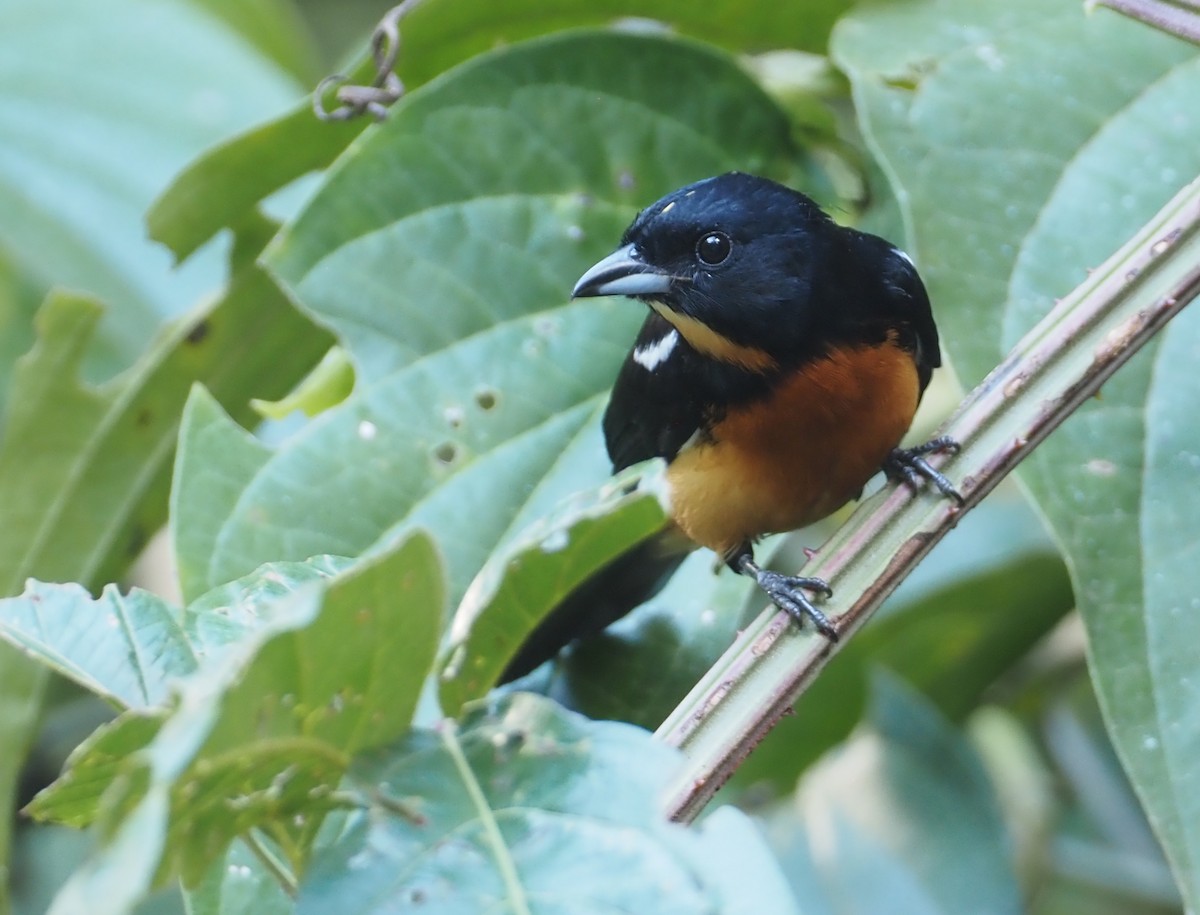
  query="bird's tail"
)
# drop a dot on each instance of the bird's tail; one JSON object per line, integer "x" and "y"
{"x": 629, "y": 580}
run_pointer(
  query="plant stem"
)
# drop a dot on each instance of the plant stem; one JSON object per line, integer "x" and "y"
{"x": 271, "y": 862}
{"x": 1179, "y": 18}
{"x": 1057, "y": 366}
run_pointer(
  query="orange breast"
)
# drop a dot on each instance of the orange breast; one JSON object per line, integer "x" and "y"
{"x": 800, "y": 454}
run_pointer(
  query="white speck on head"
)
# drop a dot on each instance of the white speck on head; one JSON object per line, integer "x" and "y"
{"x": 652, "y": 355}
{"x": 367, "y": 430}
{"x": 667, "y": 209}
{"x": 904, "y": 255}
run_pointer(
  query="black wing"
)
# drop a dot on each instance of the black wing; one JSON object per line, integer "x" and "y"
{"x": 902, "y": 280}
{"x": 653, "y": 410}
{"x": 888, "y": 287}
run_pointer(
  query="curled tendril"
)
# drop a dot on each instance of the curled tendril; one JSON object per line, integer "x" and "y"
{"x": 385, "y": 88}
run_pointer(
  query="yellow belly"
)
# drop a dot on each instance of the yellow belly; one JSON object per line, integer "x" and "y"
{"x": 797, "y": 456}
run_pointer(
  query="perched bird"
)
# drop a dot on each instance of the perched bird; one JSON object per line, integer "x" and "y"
{"x": 781, "y": 364}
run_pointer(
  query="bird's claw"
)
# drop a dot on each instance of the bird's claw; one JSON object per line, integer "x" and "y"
{"x": 909, "y": 465}
{"x": 787, "y": 592}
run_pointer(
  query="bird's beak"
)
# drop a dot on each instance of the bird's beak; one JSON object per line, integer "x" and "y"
{"x": 622, "y": 273}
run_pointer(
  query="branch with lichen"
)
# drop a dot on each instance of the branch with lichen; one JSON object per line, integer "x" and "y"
{"x": 1057, "y": 366}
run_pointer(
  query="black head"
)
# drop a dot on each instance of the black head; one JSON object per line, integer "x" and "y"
{"x": 733, "y": 255}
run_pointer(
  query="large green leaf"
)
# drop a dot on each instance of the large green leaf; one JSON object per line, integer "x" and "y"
{"x": 584, "y": 113}
{"x": 84, "y": 471}
{"x": 100, "y": 104}
{"x": 526, "y": 808}
{"x": 213, "y": 485}
{"x": 520, "y": 169}
{"x": 129, "y": 648}
{"x": 221, "y": 187}
{"x": 1025, "y": 142}
{"x": 263, "y": 729}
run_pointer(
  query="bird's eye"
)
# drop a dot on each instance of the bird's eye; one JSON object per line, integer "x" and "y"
{"x": 713, "y": 248}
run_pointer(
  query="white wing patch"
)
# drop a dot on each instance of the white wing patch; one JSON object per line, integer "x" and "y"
{"x": 652, "y": 355}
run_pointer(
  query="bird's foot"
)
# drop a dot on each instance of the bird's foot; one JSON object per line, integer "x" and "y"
{"x": 788, "y": 592}
{"x": 909, "y": 465}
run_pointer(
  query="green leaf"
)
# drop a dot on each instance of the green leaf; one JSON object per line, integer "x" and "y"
{"x": 904, "y": 812}
{"x": 325, "y": 386}
{"x": 1166, "y": 722}
{"x": 262, "y": 732}
{"x": 130, "y": 648}
{"x": 1024, "y": 142}
{"x": 366, "y": 465}
{"x": 526, "y": 579}
{"x": 20, "y": 297}
{"x": 124, "y": 648}
{"x": 351, "y": 679}
{"x": 219, "y": 189}
{"x": 109, "y": 752}
{"x": 275, "y": 28}
{"x": 22, "y": 686}
{"x": 222, "y": 187}
{"x": 440, "y": 33}
{"x": 534, "y": 809}
{"x": 83, "y": 470}
{"x": 592, "y": 113}
{"x": 478, "y": 406}
{"x": 215, "y": 458}
{"x": 101, "y": 105}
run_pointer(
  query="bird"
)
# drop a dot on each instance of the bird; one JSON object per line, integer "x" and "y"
{"x": 778, "y": 369}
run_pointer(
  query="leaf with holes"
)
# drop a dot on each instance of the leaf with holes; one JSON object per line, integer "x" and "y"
{"x": 1025, "y": 142}
{"x": 447, "y": 282}
{"x": 535, "y": 807}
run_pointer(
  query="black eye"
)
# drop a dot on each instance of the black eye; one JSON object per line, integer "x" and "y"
{"x": 713, "y": 248}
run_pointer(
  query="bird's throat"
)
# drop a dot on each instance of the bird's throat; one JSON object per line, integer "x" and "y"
{"x": 707, "y": 341}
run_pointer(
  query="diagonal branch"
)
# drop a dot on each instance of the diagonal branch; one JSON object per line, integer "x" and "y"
{"x": 1057, "y": 366}
{"x": 1176, "y": 17}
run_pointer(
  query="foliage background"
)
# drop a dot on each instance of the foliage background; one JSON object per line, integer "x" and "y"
{"x": 955, "y": 754}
